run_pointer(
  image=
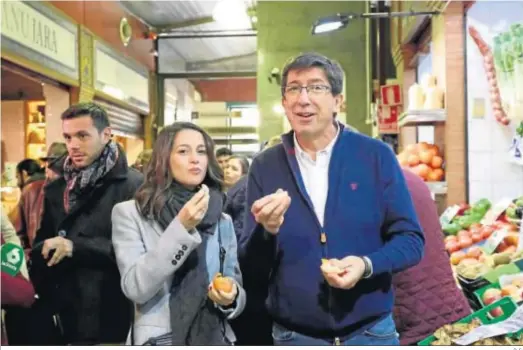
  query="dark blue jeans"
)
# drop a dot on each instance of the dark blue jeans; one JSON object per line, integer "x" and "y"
{"x": 382, "y": 333}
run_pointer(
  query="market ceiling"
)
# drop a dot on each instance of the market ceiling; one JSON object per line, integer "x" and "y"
{"x": 200, "y": 34}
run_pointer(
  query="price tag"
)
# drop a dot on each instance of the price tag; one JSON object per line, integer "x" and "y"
{"x": 448, "y": 215}
{"x": 520, "y": 240}
{"x": 512, "y": 324}
{"x": 494, "y": 240}
{"x": 494, "y": 212}
{"x": 12, "y": 257}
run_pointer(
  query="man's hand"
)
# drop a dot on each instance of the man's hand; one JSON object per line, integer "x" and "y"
{"x": 194, "y": 210}
{"x": 270, "y": 210}
{"x": 347, "y": 273}
{"x": 223, "y": 298}
{"x": 62, "y": 246}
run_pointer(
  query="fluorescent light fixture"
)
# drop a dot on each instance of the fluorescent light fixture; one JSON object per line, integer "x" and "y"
{"x": 232, "y": 14}
{"x": 114, "y": 92}
{"x": 329, "y": 24}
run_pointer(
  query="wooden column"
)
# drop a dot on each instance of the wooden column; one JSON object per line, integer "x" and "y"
{"x": 449, "y": 67}
{"x": 85, "y": 92}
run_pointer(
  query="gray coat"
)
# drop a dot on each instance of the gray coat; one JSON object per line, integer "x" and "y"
{"x": 147, "y": 258}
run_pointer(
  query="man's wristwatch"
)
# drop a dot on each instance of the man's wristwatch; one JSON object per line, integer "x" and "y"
{"x": 368, "y": 267}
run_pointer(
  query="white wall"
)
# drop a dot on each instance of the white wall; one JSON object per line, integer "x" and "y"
{"x": 491, "y": 175}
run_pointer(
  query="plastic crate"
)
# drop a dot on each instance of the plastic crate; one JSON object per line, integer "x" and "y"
{"x": 479, "y": 293}
{"x": 507, "y": 305}
{"x": 470, "y": 286}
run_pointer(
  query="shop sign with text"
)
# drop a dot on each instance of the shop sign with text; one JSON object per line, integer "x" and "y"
{"x": 33, "y": 31}
{"x": 121, "y": 78}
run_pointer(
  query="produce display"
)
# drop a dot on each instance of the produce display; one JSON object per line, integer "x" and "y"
{"x": 473, "y": 268}
{"x": 473, "y": 252}
{"x": 448, "y": 333}
{"x": 513, "y": 290}
{"x": 423, "y": 159}
{"x": 468, "y": 218}
{"x": 514, "y": 212}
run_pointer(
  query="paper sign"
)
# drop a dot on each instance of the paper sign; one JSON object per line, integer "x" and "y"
{"x": 494, "y": 212}
{"x": 448, "y": 215}
{"x": 494, "y": 240}
{"x": 511, "y": 325}
{"x": 388, "y": 119}
{"x": 12, "y": 257}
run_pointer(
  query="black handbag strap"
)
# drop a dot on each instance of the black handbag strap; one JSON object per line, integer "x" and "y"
{"x": 222, "y": 249}
{"x": 222, "y": 263}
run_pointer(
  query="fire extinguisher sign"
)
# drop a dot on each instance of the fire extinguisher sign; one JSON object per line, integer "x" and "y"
{"x": 391, "y": 95}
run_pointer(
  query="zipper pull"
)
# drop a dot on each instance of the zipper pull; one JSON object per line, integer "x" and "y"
{"x": 323, "y": 238}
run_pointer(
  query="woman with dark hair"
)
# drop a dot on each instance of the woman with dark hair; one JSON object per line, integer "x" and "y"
{"x": 28, "y": 171}
{"x": 172, "y": 241}
{"x": 237, "y": 166}
{"x": 235, "y": 205}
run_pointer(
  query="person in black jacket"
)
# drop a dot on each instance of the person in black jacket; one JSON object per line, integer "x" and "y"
{"x": 73, "y": 262}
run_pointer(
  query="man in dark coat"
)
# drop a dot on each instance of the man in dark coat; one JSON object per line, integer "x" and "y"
{"x": 73, "y": 263}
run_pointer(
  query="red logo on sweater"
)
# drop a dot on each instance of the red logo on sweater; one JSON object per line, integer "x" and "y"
{"x": 354, "y": 186}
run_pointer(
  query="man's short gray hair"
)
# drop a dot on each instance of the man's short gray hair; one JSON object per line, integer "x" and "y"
{"x": 331, "y": 68}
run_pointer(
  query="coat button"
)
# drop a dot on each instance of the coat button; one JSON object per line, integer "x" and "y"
{"x": 62, "y": 233}
{"x": 184, "y": 247}
{"x": 178, "y": 256}
{"x": 174, "y": 262}
{"x": 180, "y": 252}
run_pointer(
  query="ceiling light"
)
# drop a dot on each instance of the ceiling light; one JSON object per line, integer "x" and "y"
{"x": 329, "y": 24}
{"x": 232, "y": 14}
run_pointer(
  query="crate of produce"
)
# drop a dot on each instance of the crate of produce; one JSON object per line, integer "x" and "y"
{"x": 508, "y": 285}
{"x": 469, "y": 286}
{"x": 493, "y": 313}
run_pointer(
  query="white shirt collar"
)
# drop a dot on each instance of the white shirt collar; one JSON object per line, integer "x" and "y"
{"x": 326, "y": 151}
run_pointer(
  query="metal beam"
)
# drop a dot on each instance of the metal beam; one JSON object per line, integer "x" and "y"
{"x": 203, "y": 75}
{"x": 207, "y": 34}
{"x": 184, "y": 24}
{"x": 251, "y": 11}
{"x": 242, "y": 62}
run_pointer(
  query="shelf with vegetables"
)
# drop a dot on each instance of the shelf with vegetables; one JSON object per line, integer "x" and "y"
{"x": 426, "y": 161}
{"x": 35, "y": 129}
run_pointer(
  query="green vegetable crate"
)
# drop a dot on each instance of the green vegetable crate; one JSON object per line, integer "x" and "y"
{"x": 507, "y": 305}
{"x": 479, "y": 293}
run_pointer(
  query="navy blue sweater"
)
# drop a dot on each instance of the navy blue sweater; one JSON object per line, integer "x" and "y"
{"x": 369, "y": 212}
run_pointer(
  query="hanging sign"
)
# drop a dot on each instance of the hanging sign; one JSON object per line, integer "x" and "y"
{"x": 388, "y": 119}
{"x": 391, "y": 95}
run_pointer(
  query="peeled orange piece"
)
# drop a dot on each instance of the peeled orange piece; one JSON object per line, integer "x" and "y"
{"x": 223, "y": 284}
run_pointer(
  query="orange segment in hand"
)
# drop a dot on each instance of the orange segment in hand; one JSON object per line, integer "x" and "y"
{"x": 222, "y": 284}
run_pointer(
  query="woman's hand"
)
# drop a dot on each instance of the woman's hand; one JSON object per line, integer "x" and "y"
{"x": 194, "y": 210}
{"x": 222, "y": 298}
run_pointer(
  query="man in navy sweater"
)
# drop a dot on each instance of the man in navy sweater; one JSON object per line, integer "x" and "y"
{"x": 327, "y": 193}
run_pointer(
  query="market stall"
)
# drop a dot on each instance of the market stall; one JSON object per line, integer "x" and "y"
{"x": 485, "y": 246}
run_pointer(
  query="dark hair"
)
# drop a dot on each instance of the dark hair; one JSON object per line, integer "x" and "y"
{"x": 331, "y": 68}
{"x": 151, "y": 196}
{"x": 244, "y": 163}
{"x": 97, "y": 113}
{"x": 30, "y": 166}
{"x": 224, "y": 151}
